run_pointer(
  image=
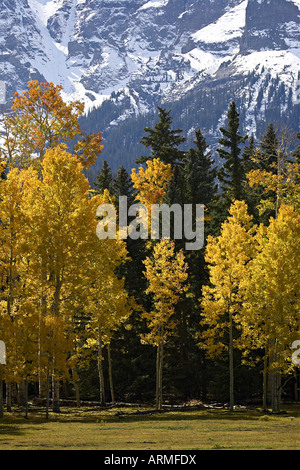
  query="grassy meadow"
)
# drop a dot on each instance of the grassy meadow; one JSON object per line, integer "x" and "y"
{"x": 122, "y": 429}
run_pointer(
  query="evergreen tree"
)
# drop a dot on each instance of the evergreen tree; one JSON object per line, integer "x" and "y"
{"x": 248, "y": 155}
{"x": 269, "y": 147}
{"x": 267, "y": 161}
{"x": 104, "y": 179}
{"x": 122, "y": 185}
{"x": 199, "y": 173}
{"x": 193, "y": 182}
{"x": 252, "y": 196}
{"x": 163, "y": 140}
{"x": 231, "y": 174}
{"x": 174, "y": 193}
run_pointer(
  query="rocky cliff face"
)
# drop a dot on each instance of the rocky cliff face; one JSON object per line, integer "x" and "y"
{"x": 271, "y": 25}
{"x": 123, "y": 57}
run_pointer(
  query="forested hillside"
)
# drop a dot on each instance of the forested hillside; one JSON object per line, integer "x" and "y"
{"x": 136, "y": 318}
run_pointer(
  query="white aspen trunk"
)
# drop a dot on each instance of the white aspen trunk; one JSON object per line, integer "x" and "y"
{"x": 47, "y": 394}
{"x": 231, "y": 369}
{"x": 265, "y": 382}
{"x": 76, "y": 388}
{"x": 157, "y": 377}
{"x": 55, "y": 377}
{"x": 43, "y": 388}
{"x": 159, "y": 372}
{"x": 276, "y": 379}
{"x": 161, "y": 376}
{"x": 112, "y": 393}
{"x": 101, "y": 374}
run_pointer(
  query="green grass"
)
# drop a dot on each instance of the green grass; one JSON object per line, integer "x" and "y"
{"x": 81, "y": 429}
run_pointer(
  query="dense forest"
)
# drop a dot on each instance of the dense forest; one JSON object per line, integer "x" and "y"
{"x": 201, "y": 108}
{"x": 144, "y": 320}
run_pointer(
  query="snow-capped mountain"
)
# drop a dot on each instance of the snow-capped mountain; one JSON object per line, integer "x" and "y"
{"x": 123, "y": 57}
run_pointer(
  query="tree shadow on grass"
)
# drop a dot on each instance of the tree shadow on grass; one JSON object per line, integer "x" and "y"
{"x": 101, "y": 416}
{"x": 9, "y": 430}
{"x": 117, "y": 415}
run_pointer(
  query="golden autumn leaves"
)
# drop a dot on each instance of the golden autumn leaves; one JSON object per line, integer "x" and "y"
{"x": 55, "y": 270}
{"x": 61, "y": 299}
{"x": 55, "y": 273}
{"x": 41, "y": 119}
{"x": 252, "y": 302}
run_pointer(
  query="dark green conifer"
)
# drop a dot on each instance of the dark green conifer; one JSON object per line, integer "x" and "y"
{"x": 104, "y": 179}
{"x": 231, "y": 174}
{"x": 163, "y": 140}
{"x": 248, "y": 156}
{"x": 199, "y": 173}
{"x": 122, "y": 185}
{"x": 268, "y": 154}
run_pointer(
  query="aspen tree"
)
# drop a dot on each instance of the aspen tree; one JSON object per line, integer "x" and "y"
{"x": 107, "y": 303}
{"x": 227, "y": 256}
{"x": 271, "y": 296}
{"x": 151, "y": 182}
{"x": 40, "y": 119}
{"x": 17, "y": 314}
{"x": 166, "y": 273}
{"x": 63, "y": 223}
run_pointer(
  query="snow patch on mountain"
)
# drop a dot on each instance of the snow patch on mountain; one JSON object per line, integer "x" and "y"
{"x": 154, "y": 4}
{"x": 138, "y": 54}
{"x": 45, "y": 8}
{"x": 229, "y": 26}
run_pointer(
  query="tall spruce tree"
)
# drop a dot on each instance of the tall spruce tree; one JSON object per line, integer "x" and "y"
{"x": 122, "y": 185}
{"x": 248, "y": 155}
{"x": 269, "y": 147}
{"x": 104, "y": 179}
{"x": 163, "y": 140}
{"x": 231, "y": 174}
{"x": 199, "y": 173}
{"x": 252, "y": 196}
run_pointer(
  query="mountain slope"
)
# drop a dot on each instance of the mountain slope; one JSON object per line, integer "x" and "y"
{"x": 123, "y": 57}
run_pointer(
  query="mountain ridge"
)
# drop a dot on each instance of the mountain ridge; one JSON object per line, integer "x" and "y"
{"x": 126, "y": 57}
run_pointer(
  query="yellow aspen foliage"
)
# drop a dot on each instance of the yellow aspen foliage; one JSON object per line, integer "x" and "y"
{"x": 284, "y": 184}
{"x": 166, "y": 273}
{"x": 41, "y": 119}
{"x": 107, "y": 306}
{"x": 151, "y": 182}
{"x": 227, "y": 256}
{"x": 272, "y": 286}
{"x": 17, "y": 313}
{"x": 104, "y": 300}
{"x": 53, "y": 266}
